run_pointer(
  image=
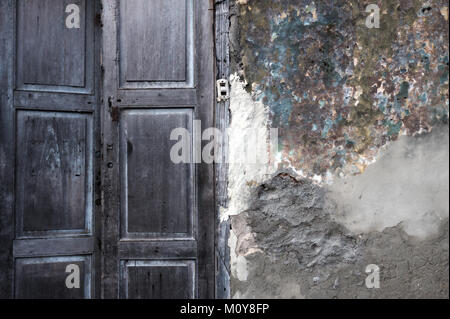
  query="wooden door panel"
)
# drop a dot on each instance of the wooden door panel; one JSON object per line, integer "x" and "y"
{"x": 154, "y": 39}
{"x": 156, "y": 43}
{"x": 54, "y": 173}
{"x": 157, "y": 195}
{"x": 51, "y": 56}
{"x": 161, "y": 279}
{"x": 45, "y": 278}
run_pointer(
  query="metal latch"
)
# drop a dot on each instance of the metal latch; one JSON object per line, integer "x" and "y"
{"x": 223, "y": 90}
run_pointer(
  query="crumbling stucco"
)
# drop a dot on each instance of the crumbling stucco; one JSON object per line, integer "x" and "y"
{"x": 302, "y": 246}
{"x": 248, "y": 118}
{"x": 361, "y": 172}
{"x": 336, "y": 89}
{"x": 303, "y": 253}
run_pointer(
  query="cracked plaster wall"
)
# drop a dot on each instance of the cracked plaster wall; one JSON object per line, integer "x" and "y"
{"x": 360, "y": 175}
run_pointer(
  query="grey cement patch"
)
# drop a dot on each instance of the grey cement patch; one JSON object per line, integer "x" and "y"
{"x": 294, "y": 242}
{"x": 408, "y": 186}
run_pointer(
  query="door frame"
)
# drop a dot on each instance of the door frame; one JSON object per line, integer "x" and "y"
{"x": 222, "y": 121}
{"x": 7, "y": 141}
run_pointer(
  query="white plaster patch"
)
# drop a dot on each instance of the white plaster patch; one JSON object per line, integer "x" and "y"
{"x": 239, "y": 268}
{"x": 247, "y": 117}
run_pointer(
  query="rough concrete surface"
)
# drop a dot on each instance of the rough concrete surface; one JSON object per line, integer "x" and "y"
{"x": 297, "y": 250}
{"x": 361, "y": 173}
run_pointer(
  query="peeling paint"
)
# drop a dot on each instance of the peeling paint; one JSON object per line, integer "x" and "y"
{"x": 338, "y": 90}
{"x": 362, "y": 165}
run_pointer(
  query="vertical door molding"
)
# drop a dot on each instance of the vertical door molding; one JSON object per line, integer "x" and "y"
{"x": 222, "y": 119}
{"x": 6, "y": 148}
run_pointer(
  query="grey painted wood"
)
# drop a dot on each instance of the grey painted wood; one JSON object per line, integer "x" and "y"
{"x": 98, "y": 142}
{"x": 6, "y": 148}
{"x": 60, "y": 103}
{"x": 49, "y": 148}
{"x": 45, "y": 278}
{"x": 157, "y": 194}
{"x": 48, "y": 52}
{"x": 54, "y": 247}
{"x": 55, "y": 102}
{"x": 222, "y": 115}
{"x": 110, "y": 167}
{"x": 150, "y": 102}
{"x": 153, "y": 40}
{"x": 222, "y": 119}
{"x": 51, "y": 56}
{"x": 184, "y": 249}
{"x": 157, "y": 280}
{"x": 54, "y": 172}
{"x": 162, "y": 97}
{"x": 205, "y": 177}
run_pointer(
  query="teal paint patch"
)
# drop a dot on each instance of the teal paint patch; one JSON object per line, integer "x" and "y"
{"x": 332, "y": 84}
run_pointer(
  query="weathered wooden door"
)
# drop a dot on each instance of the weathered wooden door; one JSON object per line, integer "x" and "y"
{"x": 86, "y": 176}
{"x": 49, "y": 141}
{"x": 158, "y": 239}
